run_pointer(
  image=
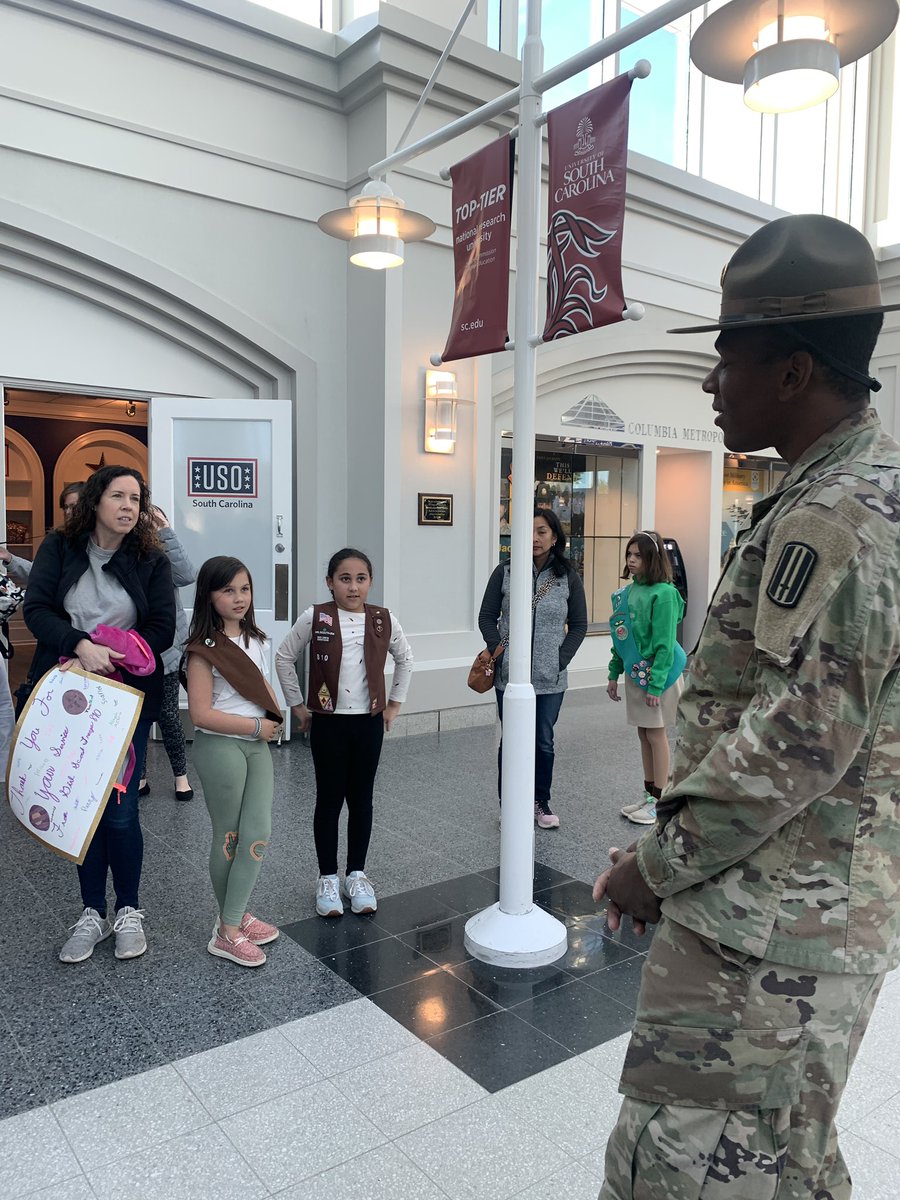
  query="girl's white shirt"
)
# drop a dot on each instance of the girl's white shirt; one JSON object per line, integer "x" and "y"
{"x": 353, "y": 687}
{"x": 224, "y": 697}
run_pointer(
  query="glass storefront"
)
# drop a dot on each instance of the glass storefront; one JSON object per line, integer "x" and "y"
{"x": 745, "y": 480}
{"x": 593, "y": 489}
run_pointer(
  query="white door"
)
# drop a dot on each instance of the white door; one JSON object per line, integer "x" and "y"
{"x": 222, "y": 470}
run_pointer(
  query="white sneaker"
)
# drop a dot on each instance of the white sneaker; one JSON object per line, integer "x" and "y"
{"x": 628, "y": 809}
{"x": 328, "y": 897}
{"x": 645, "y": 815}
{"x": 88, "y": 930}
{"x": 129, "y": 930}
{"x": 359, "y": 891}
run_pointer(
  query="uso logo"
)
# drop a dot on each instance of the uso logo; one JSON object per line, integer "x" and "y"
{"x": 222, "y": 477}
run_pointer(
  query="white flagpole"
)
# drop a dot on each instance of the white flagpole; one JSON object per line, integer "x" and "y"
{"x": 514, "y": 932}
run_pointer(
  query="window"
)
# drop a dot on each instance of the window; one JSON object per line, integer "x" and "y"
{"x": 595, "y": 497}
{"x": 809, "y": 161}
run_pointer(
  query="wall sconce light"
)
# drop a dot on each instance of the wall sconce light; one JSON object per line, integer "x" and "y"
{"x": 376, "y": 224}
{"x": 441, "y": 400}
{"x": 788, "y": 53}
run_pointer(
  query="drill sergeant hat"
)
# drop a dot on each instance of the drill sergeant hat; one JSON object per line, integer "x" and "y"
{"x": 798, "y": 270}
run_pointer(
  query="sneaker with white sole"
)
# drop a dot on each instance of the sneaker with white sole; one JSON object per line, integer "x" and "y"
{"x": 241, "y": 951}
{"x": 260, "y": 933}
{"x": 88, "y": 930}
{"x": 129, "y": 930}
{"x": 543, "y": 817}
{"x": 359, "y": 891}
{"x": 627, "y": 809}
{"x": 328, "y": 897}
{"x": 645, "y": 815}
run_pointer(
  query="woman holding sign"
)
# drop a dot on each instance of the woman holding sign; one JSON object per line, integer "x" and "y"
{"x": 106, "y": 567}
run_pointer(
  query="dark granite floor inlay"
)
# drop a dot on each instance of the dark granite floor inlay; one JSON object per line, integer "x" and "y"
{"x": 497, "y": 1024}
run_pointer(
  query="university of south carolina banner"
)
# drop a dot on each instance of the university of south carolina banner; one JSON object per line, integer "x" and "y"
{"x": 588, "y": 148}
{"x": 482, "y": 206}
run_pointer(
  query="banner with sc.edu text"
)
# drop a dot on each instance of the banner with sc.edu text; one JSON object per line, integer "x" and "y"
{"x": 588, "y": 153}
{"x": 482, "y": 209}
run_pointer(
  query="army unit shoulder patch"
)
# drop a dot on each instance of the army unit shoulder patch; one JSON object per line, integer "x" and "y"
{"x": 791, "y": 575}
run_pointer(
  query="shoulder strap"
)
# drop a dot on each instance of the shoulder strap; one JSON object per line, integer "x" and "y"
{"x": 238, "y": 668}
{"x": 620, "y": 628}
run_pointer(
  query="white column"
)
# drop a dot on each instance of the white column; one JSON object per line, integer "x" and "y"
{"x": 513, "y": 932}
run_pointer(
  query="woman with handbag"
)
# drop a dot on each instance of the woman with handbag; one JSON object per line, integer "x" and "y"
{"x": 644, "y": 647}
{"x": 106, "y": 567}
{"x": 559, "y": 623}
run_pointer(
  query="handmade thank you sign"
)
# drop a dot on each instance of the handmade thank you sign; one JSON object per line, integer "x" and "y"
{"x": 67, "y": 757}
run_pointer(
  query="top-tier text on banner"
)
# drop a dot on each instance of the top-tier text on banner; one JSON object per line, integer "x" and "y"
{"x": 482, "y": 209}
{"x": 588, "y": 152}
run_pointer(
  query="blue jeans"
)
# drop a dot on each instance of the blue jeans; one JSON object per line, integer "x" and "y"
{"x": 117, "y": 844}
{"x": 546, "y": 711}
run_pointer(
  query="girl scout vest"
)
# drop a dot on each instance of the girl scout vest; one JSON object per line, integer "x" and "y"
{"x": 637, "y": 668}
{"x": 326, "y": 649}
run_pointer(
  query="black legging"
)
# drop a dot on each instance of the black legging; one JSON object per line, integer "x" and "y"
{"x": 345, "y": 751}
{"x": 171, "y": 727}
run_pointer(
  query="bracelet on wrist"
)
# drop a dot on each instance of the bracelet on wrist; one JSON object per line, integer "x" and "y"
{"x": 258, "y": 727}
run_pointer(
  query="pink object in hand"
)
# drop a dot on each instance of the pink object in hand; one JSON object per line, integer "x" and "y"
{"x": 138, "y": 657}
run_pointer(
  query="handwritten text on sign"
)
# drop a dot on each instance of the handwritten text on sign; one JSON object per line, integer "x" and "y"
{"x": 71, "y": 741}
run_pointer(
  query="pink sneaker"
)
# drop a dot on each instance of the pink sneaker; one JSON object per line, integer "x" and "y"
{"x": 240, "y": 951}
{"x": 544, "y": 818}
{"x": 260, "y": 933}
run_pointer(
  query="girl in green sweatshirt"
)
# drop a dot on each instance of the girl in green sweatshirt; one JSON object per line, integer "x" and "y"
{"x": 655, "y": 607}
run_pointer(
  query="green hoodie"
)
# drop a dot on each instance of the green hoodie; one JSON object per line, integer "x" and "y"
{"x": 655, "y": 610}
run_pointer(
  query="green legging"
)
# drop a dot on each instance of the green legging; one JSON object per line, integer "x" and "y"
{"x": 238, "y": 782}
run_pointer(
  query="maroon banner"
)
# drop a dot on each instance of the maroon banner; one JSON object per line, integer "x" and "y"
{"x": 482, "y": 207}
{"x": 588, "y": 152}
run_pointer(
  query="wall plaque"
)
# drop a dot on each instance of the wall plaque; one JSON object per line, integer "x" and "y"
{"x": 435, "y": 508}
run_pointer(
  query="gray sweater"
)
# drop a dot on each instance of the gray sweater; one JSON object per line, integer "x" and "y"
{"x": 559, "y": 623}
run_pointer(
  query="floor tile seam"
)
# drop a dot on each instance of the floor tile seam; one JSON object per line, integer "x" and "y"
{"x": 417, "y": 1045}
{"x": 895, "y": 1154}
{"x": 875, "y": 1106}
{"x": 158, "y": 1145}
{"x": 36, "y": 1192}
{"x": 453, "y": 1112}
{"x": 534, "y": 1137}
{"x": 437, "y": 1183}
{"x": 85, "y": 1168}
{"x": 48, "y": 1109}
{"x": 213, "y": 1119}
{"x": 550, "y": 1036}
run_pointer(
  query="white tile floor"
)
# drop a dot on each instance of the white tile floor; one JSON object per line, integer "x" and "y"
{"x": 347, "y": 1102}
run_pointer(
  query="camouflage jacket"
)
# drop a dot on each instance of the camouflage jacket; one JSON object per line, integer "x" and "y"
{"x": 779, "y": 834}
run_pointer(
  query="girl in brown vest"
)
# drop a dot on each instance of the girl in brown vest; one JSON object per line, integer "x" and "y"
{"x": 236, "y": 715}
{"x": 347, "y": 713}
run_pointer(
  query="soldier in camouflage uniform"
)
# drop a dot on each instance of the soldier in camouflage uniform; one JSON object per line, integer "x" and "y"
{"x": 775, "y": 860}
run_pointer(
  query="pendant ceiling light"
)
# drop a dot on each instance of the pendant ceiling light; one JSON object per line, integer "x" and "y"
{"x": 376, "y": 224}
{"x": 788, "y": 53}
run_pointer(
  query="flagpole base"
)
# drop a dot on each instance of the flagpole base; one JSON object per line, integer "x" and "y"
{"x": 531, "y": 939}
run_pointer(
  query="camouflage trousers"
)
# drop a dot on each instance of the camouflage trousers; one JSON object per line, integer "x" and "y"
{"x": 733, "y": 1076}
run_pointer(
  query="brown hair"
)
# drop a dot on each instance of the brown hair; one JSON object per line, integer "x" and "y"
{"x": 84, "y": 518}
{"x": 657, "y": 564}
{"x": 215, "y": 574}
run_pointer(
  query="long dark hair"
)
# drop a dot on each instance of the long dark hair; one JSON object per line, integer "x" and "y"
{"x": 557, "y": 561}
{"x": 215, "y": 574}
{"x": 84, "y": 518}
{"x": 657, "y": 564}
